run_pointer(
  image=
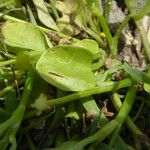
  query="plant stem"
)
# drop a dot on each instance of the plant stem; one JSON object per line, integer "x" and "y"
{"x": 144, "y": 38}
{"x": 117, "y": 35}
{"x": 109, "y": 128}
{"x": 99, "y": 135}
{"x": 129, "y": 122}
{"x": 107, "y": 9}
{"x": 106, "y": 88}
{"x": 124, "y": 111}
{"x": 95, "y": 36}
{"x": 106, "y": 30}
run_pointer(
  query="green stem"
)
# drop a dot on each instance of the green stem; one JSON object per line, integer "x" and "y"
{"x": 144, "y": 38}
{"x": 132, "y": 127}
{"x": 107, "y": 9}
{"x": 95, "y": 36}
{"x": 117, "y": 35}
{"x": 127, "y": 104}
{"x": 15, "y": 120}
{"x": 124, "y": 111}
{"x": 7, "y": 62}
{"x": 106, "y": 88}
{"x": 100, "y": 135}
{"x": 106, "y": 30}
{"x": 109, "y": 128}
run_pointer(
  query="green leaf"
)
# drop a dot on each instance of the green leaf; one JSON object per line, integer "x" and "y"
{"x": 44, "y": 15}
{"x": 24, "y": 36}
{"x": 90, "y": 45}
{"x": 98, "y": 53}
{"x": 136, "y": 74}
{"x": 67, "y": 67}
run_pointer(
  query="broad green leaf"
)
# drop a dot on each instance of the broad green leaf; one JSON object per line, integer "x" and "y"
{"x": 93, "y": 47}
{"x": 44, "y": 15}
{"x": 24, "y": 36}
{"x": 138, "y": 8}
{"x": 90, "y": 45}
{"x": 136, "y": 74}
{"x": 67, "y": 67}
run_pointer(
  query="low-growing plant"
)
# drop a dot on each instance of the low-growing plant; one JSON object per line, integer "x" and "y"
{"x": 58, "y": 61}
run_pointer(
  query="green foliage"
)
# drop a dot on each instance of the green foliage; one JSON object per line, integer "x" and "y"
{"x": 24, "y": 36}
{"x": 59, "y": 71}
{"x": 44, "y": 15}
{"x": 67, "y": 67}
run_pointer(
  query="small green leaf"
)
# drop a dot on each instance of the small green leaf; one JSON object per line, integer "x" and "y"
{"x": 67, "y": 67}
{"x": 24, "y": 36}
{"x": 44, "y": 15}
